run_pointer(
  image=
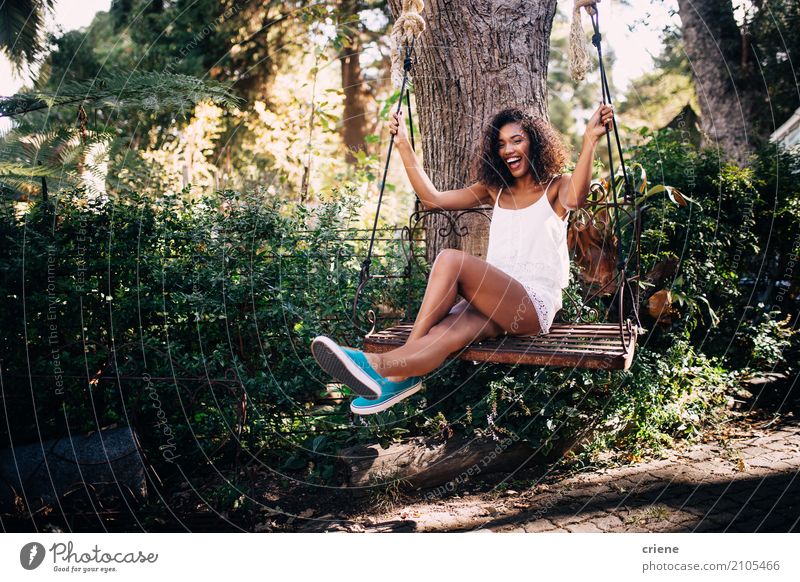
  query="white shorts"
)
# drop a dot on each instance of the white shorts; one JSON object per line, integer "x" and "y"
{"x": 544, "y": 307}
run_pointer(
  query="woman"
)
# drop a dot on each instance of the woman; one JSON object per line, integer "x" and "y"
{"x": 517, "y": 289}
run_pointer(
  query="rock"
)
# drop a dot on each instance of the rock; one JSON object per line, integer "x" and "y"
{"x": 104, "y": 465}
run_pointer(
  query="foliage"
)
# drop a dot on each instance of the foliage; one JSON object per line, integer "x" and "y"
{"x": 75, "y": 155}
{"x": 732, "y": 251}
{"x": 656, "y": 97}
{"x": 765, "y": 337}
{"x": 675, "y": 392}
{"x": 149, "y": 91}
{"x": 64, "y": 157}
{"x": 180, "y": 308}
{"x": 22, "y": 31}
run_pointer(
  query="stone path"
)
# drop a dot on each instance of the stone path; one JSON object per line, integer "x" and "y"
{"x": 749, "y": 482}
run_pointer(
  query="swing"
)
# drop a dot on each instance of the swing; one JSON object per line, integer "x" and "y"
{"x": 582, "y": 342}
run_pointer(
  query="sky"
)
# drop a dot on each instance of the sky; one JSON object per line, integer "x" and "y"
{"x": 634, "y": 48}
{"x": 69, "y": 15}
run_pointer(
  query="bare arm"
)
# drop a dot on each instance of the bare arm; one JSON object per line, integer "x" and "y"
{"x": 474, "y": 195}
{"x": 574, "y": 189}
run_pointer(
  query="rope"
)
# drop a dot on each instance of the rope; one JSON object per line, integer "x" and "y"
{"x": 364, "y": 276}
{"x": 407, "y": 27}
{"x": 579, "y": 62}
{"x": 628, "y": 195}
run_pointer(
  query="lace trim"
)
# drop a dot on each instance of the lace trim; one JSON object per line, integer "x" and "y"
{"x": 542, "y": 310}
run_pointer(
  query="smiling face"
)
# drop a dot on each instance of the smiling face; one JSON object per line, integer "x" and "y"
{"x": 515, "y": 145}
{"x": 514, "y": 148}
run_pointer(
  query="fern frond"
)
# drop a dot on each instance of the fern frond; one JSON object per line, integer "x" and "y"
{"x": 22, "y": 30}
{"x": 60, "y": 156}
{"x": 147, "y": 91}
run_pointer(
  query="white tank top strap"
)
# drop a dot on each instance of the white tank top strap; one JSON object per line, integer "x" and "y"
{"x": 549, "y": 183}
{"x": 547, "y": 188}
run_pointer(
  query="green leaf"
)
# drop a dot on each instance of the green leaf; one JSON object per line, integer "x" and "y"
{"x": 387, "y": 105}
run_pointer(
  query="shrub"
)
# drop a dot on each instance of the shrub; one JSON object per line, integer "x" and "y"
{"x": 188, "y": 319}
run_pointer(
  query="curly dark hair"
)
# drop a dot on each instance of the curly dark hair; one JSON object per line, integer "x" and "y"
{"x": 548, "y": 150}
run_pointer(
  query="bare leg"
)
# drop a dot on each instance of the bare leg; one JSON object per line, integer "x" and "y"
{"x": 440, "y": 294}
{"x": 498, "y": 298}
{"x": 427, "y": 353}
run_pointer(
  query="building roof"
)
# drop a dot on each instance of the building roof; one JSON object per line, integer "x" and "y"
{"x": 788, "y": 134}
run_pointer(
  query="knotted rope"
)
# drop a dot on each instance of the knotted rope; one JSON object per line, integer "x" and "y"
{"x": 578, "y": 56}
{"x": 408, "y": 26}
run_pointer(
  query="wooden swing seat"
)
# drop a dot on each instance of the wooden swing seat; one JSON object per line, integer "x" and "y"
{"x": 584, "y": 345}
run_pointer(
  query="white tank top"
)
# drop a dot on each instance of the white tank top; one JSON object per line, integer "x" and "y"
{"x": 530, "y": 244}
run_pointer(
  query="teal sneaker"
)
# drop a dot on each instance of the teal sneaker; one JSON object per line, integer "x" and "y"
{"x": 391, "y": 394}
{"x": 348, "y": 366}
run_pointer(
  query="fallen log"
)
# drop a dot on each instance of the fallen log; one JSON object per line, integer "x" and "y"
{"x": 424, "y": 463}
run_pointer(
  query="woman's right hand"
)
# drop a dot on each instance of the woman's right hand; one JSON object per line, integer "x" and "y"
{"x": 397, "y": 127}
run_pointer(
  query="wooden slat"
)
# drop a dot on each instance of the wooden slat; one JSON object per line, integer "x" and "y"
{"x": 595, "y": 346}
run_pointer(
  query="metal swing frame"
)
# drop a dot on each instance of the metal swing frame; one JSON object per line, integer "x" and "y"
{"x": 577, "y": 338}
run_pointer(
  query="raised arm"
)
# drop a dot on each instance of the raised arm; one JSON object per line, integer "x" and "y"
{"x": 574, "y": 189}
{"x": 431, "y": 198}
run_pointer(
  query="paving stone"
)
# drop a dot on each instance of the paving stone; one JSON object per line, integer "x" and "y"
{"x": 681, "y": 518}
{"x": 608, "y": 522}
{"x": 541, "y": 525}
{"x": 776, "y": 446}
{"x": 700, "y": 489}
{"x": 722, "y": 519}
{"x": 706, "y": 526}
{"x": 750, "y": 526}
{"x": 587, "y": 527}
{"x": 568, "y": 520}
{"x": 780, "y": 466}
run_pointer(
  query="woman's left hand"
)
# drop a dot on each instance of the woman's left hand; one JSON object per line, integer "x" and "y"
{"x": 601, "y": 122}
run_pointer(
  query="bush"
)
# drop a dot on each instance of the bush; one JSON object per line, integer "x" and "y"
{"x": 765, "y": 338}
{"x": 189, "y": 320}
{"x": 735, "y": 248}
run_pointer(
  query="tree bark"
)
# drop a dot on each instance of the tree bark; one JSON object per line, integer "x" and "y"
{"x": 728, "y": 101}
{"x": 422, "y": 463}
{"x": 473, "y": 59}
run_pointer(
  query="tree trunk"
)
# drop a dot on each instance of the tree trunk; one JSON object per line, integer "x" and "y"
{"x": 474, "y": 59}
{"x": 728, "y": 101}
{"x": 356, "y": 95}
